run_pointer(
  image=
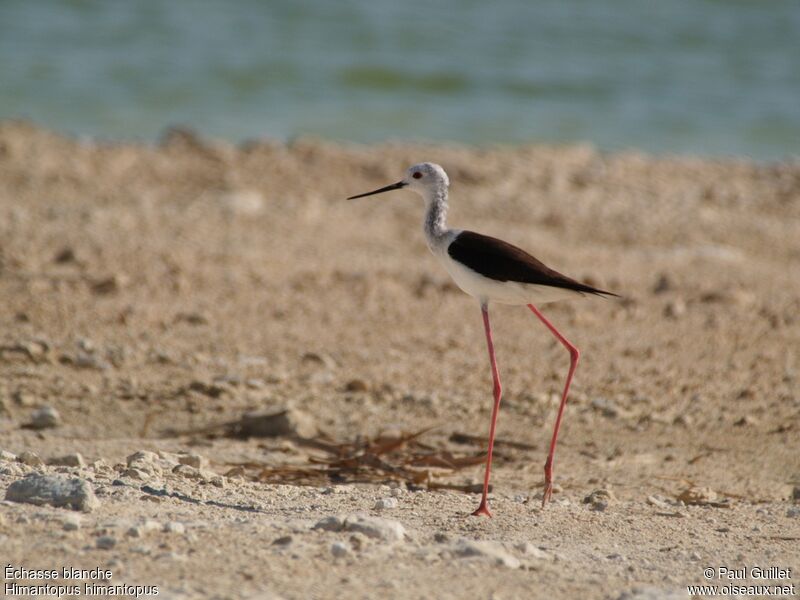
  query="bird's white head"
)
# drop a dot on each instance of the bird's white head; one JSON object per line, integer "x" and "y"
{"x": 426, "y": 179}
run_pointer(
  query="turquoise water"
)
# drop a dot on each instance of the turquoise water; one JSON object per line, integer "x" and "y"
{"x": 687, "y": 76}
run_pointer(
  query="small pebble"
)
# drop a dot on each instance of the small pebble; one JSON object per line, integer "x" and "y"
{"x": 135, "y": 474}
{"x": 284, "y": 423}
{"x": 357, "y": 541}
{"x": 30, "y": 458}
{"x": 600, "y": 499}
{"x": 68, "y": 460}
{"x": 106, "y": 542}
{"x": 675, "y": 309}
{"x": 615, "y": 556}
{"x": 698, "y": 495}
{"x": 606, "y": 407}
{"x": 657, "y": 501}
{"x": 339, "y": 549}
{"x": 188, "y": 472}
{"x": 174, "y": 527}
{"x": 71, "y": 523}
{"x": 143, "y": 456}
{"x": 44, "y": 418}
{"x": 386, "y": 503}
{"x": 282, "y": 541}
{"x": 375, "y": 527}
{"x": 332, "y": 523}
{"x": 193, "y": 460}
{"x": 144, "y": 528}
{"x": 24, "y": 399}
{"x": 663, "y": 284}
{"x": 109, "y": 285}
{"x": 356, "y": 385}
{"x": 176, "y": 556}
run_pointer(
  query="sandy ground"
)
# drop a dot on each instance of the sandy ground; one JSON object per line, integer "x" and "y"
{"x": 153, "y": 289}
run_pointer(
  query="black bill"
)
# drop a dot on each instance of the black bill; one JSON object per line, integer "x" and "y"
{"x": 388, "y": 188}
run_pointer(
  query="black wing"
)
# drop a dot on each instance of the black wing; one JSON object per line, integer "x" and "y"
{"x": 501, "y": 261}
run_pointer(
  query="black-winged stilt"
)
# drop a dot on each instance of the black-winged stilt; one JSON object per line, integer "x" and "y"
{"x": 492, "y": 270}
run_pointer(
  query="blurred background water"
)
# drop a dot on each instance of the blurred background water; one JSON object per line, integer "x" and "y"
{"x": 711, "y": 77}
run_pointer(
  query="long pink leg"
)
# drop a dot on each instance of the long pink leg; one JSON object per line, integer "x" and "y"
{"x": 483, "y": 509}
{"x": 574, "y": 355}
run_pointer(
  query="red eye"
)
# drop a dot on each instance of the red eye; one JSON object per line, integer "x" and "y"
{"x": 417, "y": 175}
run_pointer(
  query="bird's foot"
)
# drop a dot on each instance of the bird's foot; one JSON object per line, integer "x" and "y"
{"x": 482, "y": 510}
{"x": 548, "y": 492}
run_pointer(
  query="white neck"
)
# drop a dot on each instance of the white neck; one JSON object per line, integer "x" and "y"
{"x": 436, "y": 216}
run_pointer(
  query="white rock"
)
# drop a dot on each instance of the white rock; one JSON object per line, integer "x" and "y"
{"x": 174, "y": 527}
{"x": 71, "y": 523}
{"x": 5, "y": 455}
{"x": 492, "y": 552}
{"x": 55, "y": 490}
{"x": 386, "y": 503}
{"x": 375, "y": 527}
{"x": 146, "y": 462}
{"x": 143, "y": 529}
{"x": 658, "y": 501}
{"x": 339, "y": 549}
{"x": 44, "y": 418}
